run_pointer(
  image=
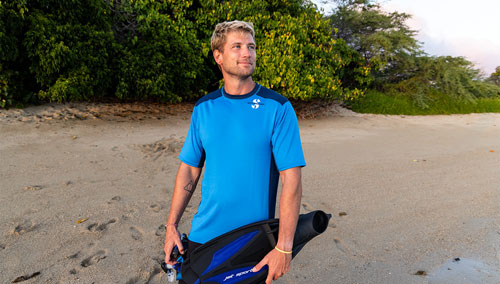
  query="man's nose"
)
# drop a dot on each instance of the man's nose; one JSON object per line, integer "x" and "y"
{"x": 246, "y": 51}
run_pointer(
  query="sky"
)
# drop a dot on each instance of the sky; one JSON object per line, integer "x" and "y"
{"x": 452, "y": 27}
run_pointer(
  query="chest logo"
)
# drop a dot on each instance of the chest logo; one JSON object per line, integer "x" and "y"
{"x": 256, "y": 103}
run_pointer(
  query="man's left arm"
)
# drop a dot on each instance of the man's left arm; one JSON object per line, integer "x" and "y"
{"x": 291, "y": 193}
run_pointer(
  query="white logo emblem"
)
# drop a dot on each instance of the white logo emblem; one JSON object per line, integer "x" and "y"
{"x": 256, "y": 104}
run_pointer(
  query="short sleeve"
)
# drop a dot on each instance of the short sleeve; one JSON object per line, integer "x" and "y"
{"x": 192, "y": 152}
{"x": 287, "y": 147}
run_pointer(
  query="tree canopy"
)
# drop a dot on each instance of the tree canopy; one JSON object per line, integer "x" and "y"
{"x": 495, "y": 77}
{"x": 59, "y": 50}
{"x": 395, "y": 57}
{"x": 382, "y": 38}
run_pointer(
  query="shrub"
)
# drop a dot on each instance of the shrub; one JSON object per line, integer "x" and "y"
{"x": 162, "y": 58}
{"x": 16, "y": 86}
{"x": 454, "y": 77}
{"x": 69, "y": 45}
{"x": 296, "y": 54}
{"x": 160, "y": 50}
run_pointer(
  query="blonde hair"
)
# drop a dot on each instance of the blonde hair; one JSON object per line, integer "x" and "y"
{"x": 222, "y": 29}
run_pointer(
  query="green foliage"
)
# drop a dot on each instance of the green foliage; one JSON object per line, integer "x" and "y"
{"x": 61, "y": 50}
{"x": 5, "y": 98}
{"x": 296, "y": 54}
{"x": 11, "y": 22}
{"x": 454, "y": 77}
{"x": 12, "y": 91}
{"x": 383, "y": 39}
{"x": 69, "y": 45}
{"x": 495, "y": 77}
{"x": 160, "y": 50}
{"x": 401, "y": 104}
{"x": 161, "y": 59}
{"x": 398, "y": 66}
{"x": 355, "y": 73}
{"x": 16, "y": 87}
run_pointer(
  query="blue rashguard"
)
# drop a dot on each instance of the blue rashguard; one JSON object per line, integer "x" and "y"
{"x": 244, "y": 141}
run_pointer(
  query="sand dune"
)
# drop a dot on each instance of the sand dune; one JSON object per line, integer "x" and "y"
{"x": 85, "y": 189}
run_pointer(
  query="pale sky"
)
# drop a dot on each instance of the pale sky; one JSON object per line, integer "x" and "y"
{"x": 453, "y": 27}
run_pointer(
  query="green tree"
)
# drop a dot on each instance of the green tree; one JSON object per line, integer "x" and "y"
{"x": 70, "y": 47}
{"x": 495, "y": 77}
{"x": 17, "y": 87}
{"x": 382, "y": 39}
{"x": 296, "y": 54}
{"x": 161, "y": 56}
{"x": 160, "y": 50}
{"x": 455, "y": 77}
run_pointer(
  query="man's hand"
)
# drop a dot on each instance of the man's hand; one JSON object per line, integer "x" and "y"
{"x": 185, "y": 184}
{"x": 172, "y": 239}
{"x": 278, "y": 264}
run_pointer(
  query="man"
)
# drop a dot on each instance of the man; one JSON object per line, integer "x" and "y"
{"x": 246, "y": 135}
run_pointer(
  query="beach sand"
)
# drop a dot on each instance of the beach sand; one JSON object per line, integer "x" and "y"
{"x": 85, "y": 189}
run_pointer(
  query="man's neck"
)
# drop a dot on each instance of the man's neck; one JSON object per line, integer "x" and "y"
{"x": 239, "y": 87}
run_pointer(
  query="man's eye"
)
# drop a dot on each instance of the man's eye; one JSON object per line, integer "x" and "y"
{"x": 237, "y": 46}
{"x": 251, "y": 47}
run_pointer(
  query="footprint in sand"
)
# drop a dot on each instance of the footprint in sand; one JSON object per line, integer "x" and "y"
{"x": 158, "y": 259}
{"x": 96, "y": 227}
{"x": 133, "y": 280}
{"x": 74, "y": 256}
{"x": 160, "y": 231}
{"x": 25, "y": 227}
{"x": 152, "y": 277}
{"x": 164, "y": 146}
{"x": 116, "y": 198}
{"x": 93, "y": 259}
{"x": 136, "y": 233}
{"x": 156, "y": 207}
{"x": 342, "y": 247}
{"x": 155, "y": 276}
{"x": 307, "y": 206}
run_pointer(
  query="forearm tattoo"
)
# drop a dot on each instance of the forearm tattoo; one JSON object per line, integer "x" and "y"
{"x": 190, "y": 187}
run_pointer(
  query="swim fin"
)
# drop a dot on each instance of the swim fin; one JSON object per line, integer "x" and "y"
{"x": 230, "y": 257}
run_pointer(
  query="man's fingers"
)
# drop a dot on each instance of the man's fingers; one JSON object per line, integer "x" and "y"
{"x": 169, "y": 247}
{"x": 180, "y": 247}
{"x": 171, "y": 262}
{"x": 269, "y": 278}
{"x": 168, "y": 250}
{"x": 259, "y": 265}
{"x": 167, "y": 257}
{"x": 276, "y": 276}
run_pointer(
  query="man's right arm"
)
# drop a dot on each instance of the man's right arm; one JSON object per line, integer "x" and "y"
{"x": 185, "y": 184}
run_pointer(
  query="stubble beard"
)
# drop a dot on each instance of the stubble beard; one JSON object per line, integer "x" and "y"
{"x": 240, "y": 73}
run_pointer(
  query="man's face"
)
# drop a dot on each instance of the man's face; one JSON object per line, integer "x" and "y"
{"x": 238, "y": 57}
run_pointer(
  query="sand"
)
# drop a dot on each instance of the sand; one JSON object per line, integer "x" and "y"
{"x": 85, "y": 189}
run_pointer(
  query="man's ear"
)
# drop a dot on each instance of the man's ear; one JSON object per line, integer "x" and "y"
{"x": 218, "y": 56}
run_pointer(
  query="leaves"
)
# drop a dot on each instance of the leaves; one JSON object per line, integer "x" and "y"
{"x": 296, "y": 55}
{"x": 160, "y": 50}
{"x": 377, "y": 35}
{"x": 495, "y": 77}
